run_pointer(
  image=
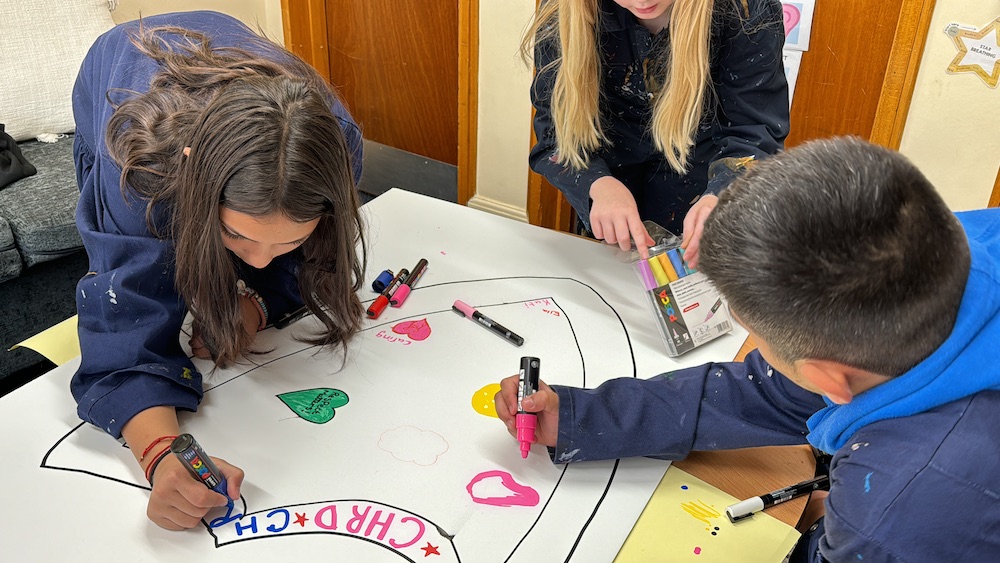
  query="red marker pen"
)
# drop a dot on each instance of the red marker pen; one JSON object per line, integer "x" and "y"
{"x": 527, "y": 385}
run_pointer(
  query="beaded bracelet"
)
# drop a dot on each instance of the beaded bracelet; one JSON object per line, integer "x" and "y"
{"x": 244, "y": 291}
{"x": 151, "y": 468}
{"x": 153, "y": 443}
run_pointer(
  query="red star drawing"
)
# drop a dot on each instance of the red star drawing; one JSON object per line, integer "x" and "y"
{"x": 300, "y": 519}
{"x": 430, "y": 550}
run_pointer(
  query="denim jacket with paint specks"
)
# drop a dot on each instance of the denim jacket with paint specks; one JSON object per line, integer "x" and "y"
{"x": 746, "y": 114}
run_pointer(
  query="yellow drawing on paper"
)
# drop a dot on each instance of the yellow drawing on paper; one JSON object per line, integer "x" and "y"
{"x": 685, "y": 521}
{"x": 701, "y": 511}
{"x": 482, "y": 400}
{"x": 978, "y": 51}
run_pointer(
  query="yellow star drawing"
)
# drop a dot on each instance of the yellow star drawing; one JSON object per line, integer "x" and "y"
{"x": 978, "y": 52}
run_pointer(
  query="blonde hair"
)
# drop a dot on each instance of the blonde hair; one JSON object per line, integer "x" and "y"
{"x": 575, "y": 104}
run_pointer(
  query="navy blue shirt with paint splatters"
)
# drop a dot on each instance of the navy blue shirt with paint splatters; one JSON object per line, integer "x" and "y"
{"x": 746, "y": 112}
{"x": 130, "y": 313}
{"x": 915, "y": 474}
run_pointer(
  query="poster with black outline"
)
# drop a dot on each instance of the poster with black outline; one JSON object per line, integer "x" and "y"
{"x": 390, "y": 453}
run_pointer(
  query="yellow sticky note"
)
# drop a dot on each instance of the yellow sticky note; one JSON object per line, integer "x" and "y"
{"x": 685, "y": 520}
{"x": 58, "y": 343}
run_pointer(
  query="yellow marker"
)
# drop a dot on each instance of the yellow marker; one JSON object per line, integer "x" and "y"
{"x": 482, "y": 400}
{"x": 658, "y": 273}
{"x": 668, "y": 268}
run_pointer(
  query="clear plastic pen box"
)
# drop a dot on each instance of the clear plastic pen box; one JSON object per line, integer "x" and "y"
{"x": 687, "y": 309}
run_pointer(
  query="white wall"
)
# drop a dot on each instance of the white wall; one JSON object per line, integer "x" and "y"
{"x": 952, "y": 132}
{"x": 504, "y": 136}
{"x": 265, "y": 14}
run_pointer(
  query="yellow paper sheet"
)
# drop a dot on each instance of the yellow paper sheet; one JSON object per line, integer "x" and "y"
{"x": 685, "y": 520}
{"x": 59, "y": 343}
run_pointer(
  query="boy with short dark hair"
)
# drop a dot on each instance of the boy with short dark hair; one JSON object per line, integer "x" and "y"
{"x": 879, "y": 308}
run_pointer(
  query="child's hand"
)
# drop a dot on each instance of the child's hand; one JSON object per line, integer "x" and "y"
{"x": 179, "y": 502}
{"x": 614, "y": 217}
{"x": 544, "y": 403}
{"x": 694, "y": 222}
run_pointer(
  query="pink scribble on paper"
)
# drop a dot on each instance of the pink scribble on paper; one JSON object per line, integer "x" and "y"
{"x": 415, "y": 330}
{"x": 521, "y": 495}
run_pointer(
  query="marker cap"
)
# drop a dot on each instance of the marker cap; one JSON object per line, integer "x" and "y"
{"x": 377, "y": 306}
{"x": 382, "y": 280}
{"x": 464, "y": 308}
{"x": 743, "y": 508}
{"x": 399, "y": 295}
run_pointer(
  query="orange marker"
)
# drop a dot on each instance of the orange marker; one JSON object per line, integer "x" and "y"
{"x": 668, "y": 268}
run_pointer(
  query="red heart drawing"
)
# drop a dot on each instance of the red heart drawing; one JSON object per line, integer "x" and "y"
{"x": 521, "y": 495}
{"x": 415, "y": 330}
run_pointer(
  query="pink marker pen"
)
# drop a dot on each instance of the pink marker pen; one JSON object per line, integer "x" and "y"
{"x": 527, "y": 385}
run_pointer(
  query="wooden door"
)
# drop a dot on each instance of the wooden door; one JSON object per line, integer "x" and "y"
{"x": 856, "y": 79}
{"x": 395, "y": 65}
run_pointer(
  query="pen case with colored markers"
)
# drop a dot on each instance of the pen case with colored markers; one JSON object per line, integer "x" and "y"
{"x": 687, "y": 309}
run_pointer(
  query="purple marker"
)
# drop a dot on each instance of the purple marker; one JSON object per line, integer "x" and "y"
{"x": 646, "y": 273}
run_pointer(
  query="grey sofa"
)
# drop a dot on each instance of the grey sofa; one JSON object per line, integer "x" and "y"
{"x": 37, "y": 213}
{"x": 42, "y": 44}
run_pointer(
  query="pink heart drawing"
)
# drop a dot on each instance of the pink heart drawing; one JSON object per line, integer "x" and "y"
{"x": 792, "y": 17}
{"x": 521, "y": 495}
{"x": 415, "y": 330}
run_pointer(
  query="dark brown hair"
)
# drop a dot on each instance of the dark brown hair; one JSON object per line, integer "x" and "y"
{"x": 839, "y": 250}
{"x": 263, "y": 142}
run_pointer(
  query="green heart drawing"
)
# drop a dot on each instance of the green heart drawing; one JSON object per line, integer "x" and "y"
{"x": 315, "y": 405}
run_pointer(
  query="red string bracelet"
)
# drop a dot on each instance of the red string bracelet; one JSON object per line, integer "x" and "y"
{"x": 153, "y": 443}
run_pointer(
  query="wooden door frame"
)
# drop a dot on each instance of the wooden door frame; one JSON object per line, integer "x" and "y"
{"x": 901, "y": 72}
{"x": 468, "y": 98}
{"x": 995, "y": 196}
{"x": 306, "y": 36}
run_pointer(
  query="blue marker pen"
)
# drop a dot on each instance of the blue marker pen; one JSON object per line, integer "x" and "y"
{"x": 677, "y": 262}
{"x": 199, "y": 465}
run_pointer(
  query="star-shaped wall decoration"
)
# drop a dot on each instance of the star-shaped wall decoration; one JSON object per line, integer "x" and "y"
{"x": 978, "y": 51}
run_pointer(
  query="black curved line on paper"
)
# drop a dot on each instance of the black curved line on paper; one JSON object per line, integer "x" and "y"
{"x": 45, "y": 464}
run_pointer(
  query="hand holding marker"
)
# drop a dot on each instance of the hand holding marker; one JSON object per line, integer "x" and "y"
{"x": 199, "y": 465}
{"x": 525, "y": 422}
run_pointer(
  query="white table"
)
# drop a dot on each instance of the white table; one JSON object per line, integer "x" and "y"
{"x": 395, "y": 473}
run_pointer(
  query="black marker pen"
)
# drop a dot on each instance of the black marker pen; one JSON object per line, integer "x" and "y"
{"x": 745, "y": 509}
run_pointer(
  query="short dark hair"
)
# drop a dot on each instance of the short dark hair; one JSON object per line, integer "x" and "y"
{"x": 839, "y": 250}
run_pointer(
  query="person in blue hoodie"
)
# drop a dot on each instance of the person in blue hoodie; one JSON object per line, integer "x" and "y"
{"x": 217, "y": 176}
{"x": 875, "y": 312}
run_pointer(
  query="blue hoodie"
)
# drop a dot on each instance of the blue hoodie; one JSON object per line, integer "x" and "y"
{"x": 916, "y": 469}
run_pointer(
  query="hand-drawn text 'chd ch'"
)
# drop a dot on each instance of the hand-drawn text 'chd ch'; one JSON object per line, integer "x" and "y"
{"x": 409, "y": 535}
